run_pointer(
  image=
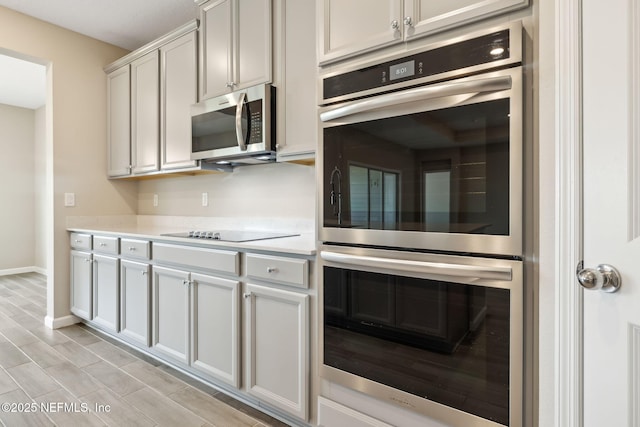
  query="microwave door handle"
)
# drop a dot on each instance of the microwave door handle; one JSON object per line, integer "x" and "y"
{"x": 492, "y": 84}
{"x": 239, "y": 135}
{"x": 438, "y": 268}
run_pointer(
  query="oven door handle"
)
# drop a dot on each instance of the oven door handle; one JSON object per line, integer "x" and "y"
{"x": 404, "y": 265}
{"x": 492, "y": 84}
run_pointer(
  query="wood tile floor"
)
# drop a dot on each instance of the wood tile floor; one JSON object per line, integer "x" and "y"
{"x": 75, "y": 376}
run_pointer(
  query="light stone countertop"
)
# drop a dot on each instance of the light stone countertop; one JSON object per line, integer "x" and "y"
{"x": 149, "y": 229}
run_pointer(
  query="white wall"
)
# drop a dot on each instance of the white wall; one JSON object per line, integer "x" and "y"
{"x": 279, "y": 190}
{"x": 17, "y": 195}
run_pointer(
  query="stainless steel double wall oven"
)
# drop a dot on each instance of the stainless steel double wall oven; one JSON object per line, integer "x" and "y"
{"x": 421, "y": 208}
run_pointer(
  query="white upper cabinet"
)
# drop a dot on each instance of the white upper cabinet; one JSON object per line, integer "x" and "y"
{"x": 235, "y": 45}
{"x": 349, "y": 28}
{"x": 145, "y": 117}
{"x": 178, "y": 91}
{"x": 354, "y": 27}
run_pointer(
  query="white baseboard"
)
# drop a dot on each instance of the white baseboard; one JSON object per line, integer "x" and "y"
{"x": 61, "y": 322}
{"x": 32, "y": 269}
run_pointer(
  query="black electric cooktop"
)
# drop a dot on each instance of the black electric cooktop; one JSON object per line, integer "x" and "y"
{"x": 230, "y": 235}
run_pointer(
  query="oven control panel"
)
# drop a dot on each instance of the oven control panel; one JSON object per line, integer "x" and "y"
{"x": 460, "y": 57}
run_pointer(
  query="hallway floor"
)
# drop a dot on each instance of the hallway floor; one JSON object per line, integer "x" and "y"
{"x": 75, "y": 376}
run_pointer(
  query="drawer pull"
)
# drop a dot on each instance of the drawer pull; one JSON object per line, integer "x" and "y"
{"x": 272, "y": 269}
{"x": 131, "y": 248}
{"x": 78, "y": 241}
{"x": 103, "y": 244}
{"x": 144, "y": 273}
{"x": 247, "y": 294}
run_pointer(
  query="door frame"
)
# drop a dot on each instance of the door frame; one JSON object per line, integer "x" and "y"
{"x": 559, "y": 367}
{"x": 567, "y": 251}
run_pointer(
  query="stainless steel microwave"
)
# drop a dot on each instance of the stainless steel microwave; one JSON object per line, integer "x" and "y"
{"x": 235, "y": 128}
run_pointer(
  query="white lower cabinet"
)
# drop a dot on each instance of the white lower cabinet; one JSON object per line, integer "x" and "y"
{"x": 135, "y": 302}
{"x": 215, "y": 327}
{"x": 81, "y": 288}
{"x": 170, "y": 313}
{"x": 106, "y": 301}
{"x": 277, "y": 347}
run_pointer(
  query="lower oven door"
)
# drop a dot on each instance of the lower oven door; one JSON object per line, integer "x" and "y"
{"x": 438, "y": 334}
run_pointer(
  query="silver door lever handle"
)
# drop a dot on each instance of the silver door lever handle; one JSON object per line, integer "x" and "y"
{"x": 604, "y": 277}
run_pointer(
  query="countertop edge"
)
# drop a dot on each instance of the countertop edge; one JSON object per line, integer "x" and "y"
{"x": 303, "y": 244}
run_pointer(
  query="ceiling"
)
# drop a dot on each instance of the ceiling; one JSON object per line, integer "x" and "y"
{"x": 129, "y": 24}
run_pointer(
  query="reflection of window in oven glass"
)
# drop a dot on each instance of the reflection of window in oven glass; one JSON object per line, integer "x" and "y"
{"x": 437, "y": 200}
{"x": 373, "y": 198}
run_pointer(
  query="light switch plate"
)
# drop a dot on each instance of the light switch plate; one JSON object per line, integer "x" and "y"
{"x": 205, "y": 199}
{"x": 69, "y": 199}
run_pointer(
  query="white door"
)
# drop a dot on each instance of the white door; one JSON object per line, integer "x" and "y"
{"x": 611, "y": 220}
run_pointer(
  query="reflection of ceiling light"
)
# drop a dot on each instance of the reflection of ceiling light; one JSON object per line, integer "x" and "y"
{"x": 496, "y": 51}
{"x": 223, "y": 162}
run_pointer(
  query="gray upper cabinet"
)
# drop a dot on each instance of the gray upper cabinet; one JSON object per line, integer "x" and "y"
{"x": 178, "y": 90}
{"x": 295, "y": 76}
{"x": 345, "y": 31}
{"x": 235, "y": 45}
{"x": 119, "y": 130}
{"x": 150, "y": 93}
{"x": 145, "y": 117}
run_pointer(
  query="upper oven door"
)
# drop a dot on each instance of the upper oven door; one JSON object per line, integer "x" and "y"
{"x": 435, "y": 167}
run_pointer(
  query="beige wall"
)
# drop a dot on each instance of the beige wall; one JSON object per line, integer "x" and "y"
{"x": 40, "y": 200}
{"x": 17, "y": 196}
{"x": 75, "y": 136}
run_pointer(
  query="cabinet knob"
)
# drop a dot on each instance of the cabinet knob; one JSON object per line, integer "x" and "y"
{"x": 272, "y": 269}
{"x": 131, "y": 248}
{"x": 103, "y": 244}
{"x": 408, "y": 22}
{"x": 231, "y": 84}
{"x": 144, "y": 273}
{"x": 247, "y": 294}
{"x": 394, "y": 25}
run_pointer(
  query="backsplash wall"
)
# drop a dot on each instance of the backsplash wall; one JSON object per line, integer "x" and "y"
{"x": 279, "y": 190}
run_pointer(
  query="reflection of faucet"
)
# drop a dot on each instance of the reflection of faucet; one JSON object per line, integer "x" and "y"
{"x": 336, "y": 173}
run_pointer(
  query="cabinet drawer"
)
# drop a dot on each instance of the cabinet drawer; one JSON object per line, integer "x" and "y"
{"x": 139, "y": 249}
{"x": 80, "y": 241}
{"x": 207, "y": 259}
{"x": 288, "y": 271}
{"x": 107, "y": 245}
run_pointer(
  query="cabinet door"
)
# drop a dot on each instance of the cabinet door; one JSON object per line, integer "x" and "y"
{"x": 349, "y": 28}
{"x": 179, "y": 89}
{"x": 119, "y": 131}
{"x": 252, "y": 43}
{"x": 106, "y": 299}
{"x": 215, "y": 48}
{"x": 428, "y": 16}
{"x": 145, "y": 116}
{"x": 297, "y": 133}
{"x": 135, "y": 301}
{"x": 170, "y": 312}
{"x": 215, "y": 334}
{"x": 81, "y": 292}
{"x": 277, "y": 348}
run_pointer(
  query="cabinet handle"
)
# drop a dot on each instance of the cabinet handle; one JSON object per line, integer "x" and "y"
{"x": 231, "y": 84}
{"x": 187, "y": 282}
{"x": 131, "y": 248}
{"x": 103, "y": 244}
{"x": 272, "y": 269}
{"x": 78, "y": 241}
{"x": 87, "y": 260}
{"x": 144, "y": 273}
{"x": 408, "y": 22}
{"x": 247, "y": 294}
{"x": 394, "y": 25}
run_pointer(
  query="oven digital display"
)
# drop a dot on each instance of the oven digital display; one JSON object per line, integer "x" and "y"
{"x": 399, "y": 71}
